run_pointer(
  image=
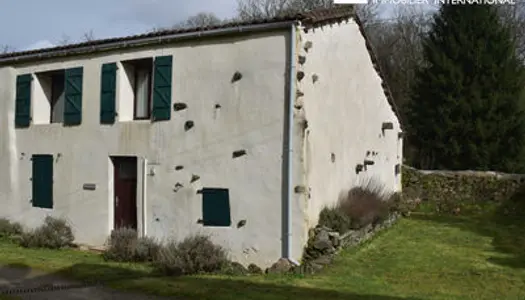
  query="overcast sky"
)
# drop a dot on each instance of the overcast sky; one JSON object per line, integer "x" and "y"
{"x": 29, "y": 24}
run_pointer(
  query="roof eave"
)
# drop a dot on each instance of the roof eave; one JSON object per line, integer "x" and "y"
{"x": 138, "y": 42}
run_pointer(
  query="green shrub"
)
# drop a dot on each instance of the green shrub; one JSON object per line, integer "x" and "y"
{"x": 30, "y": 239}
{"x": 195, "y": 254}
{"x": 365, "y": 205}
{"x": 55, "y": 233}
{"x": 147, "y": 249}
{"x": 121, "y": 245}
{"x": 334, "y": 218}
{"x": 9, "y": 229}
{"x": 124, "y": 245}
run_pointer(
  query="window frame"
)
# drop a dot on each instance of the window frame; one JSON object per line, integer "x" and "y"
{"x": 136, "y": 68}
{"x": 52, "y": 100}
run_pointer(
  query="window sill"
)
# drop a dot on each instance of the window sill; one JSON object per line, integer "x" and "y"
{"x": 139, "y": 121}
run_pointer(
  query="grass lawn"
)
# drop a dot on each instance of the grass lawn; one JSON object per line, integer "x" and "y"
{"x": 422, "y": 257}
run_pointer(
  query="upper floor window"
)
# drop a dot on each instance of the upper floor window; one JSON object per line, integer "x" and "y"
{"x": 52, "y": 91}
{"x": 140, "y": 74}
{"x": 54, "y": 97}
{"x": 144, "y": 90}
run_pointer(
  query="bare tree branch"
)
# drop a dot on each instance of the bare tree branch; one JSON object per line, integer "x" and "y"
{"x": 88, "y": 36}
{"x": 202, "y": 19}
{"x": 514, "y": 17}
{"x": 257, "y": 9}
{"x": 6, "y": 49}
{"x": 367, "y": 12}
{"x": 64, "y": 40}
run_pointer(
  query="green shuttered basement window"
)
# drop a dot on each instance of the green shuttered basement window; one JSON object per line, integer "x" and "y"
{"x": 42, "y": 181}
{"x": 216, "y": 207}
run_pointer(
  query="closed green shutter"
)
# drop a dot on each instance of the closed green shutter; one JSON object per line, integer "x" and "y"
{"x": 108, "y": 86}
{"x": 23, "y": 100}
{"x": 162, "y": 88}
{"x": 73, "y": 96}
{"x": 42, "y": 180}
{"x": 216, "y": 207}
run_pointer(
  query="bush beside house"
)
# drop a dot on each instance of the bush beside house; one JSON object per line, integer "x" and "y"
{"x": 359, "y": 215}
{"x": 363, "y": 212}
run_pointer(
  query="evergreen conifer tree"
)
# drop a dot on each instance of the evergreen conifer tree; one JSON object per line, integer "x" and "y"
{"x": 467, "y": 106}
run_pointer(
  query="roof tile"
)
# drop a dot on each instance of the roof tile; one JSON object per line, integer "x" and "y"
{"x": 309, "y": 18}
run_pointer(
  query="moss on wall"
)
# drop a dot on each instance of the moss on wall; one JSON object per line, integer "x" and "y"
{"x": 448, "y": 191}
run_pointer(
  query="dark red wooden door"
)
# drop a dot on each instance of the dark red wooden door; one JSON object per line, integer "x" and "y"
{"x": 125, "y": 179}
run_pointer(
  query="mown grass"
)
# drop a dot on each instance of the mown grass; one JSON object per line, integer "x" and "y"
{"x": 426, "y": 256}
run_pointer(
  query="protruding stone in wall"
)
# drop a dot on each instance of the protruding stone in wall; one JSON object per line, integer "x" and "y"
{"x": 304, "y": 124}
{"x": 298, "y": 104}
{"x": 300, "y": 75}
{"x": 368, "y": 162}
{"x": 315, "y": 78}
{"x": 238, "y": 153}
{"x": 178, "y": 168}
{"x": 177, "y": 187}
{"x": 387, "y": 126}
{"x": 179, "y": 106}
{"x": 298, "y": 93}
{"x": 188, "y": 125}
{"x": 194, "y": 178}
{"x": 332, "y": 157}
{"x": 400, "y": 135}
{"x": 236, "y": 76}
{"x": 241, "y": 223}
{"x": 302, "y": 59}
{"x": 308, "y": 45}
{"x": 358, "y": 168}
{"x": 300, "y": 189}
{"x": 217, "y": 106}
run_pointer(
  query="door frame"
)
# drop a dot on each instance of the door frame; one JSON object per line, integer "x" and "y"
{"x": 140, "y": 193}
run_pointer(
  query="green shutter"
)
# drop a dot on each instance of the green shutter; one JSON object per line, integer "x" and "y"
{"x": 216, "y": 207}
{"x": 42, "y": 180}
{"x": 73, "y": 96}
{"x": 108, "y": 86}
{"x": 162, "y": 88}
{"x": 23, "y": 100}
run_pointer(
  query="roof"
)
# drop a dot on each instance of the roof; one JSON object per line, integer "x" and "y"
{"x": 309, "y": 19}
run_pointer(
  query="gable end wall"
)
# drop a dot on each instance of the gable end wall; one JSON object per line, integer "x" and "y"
{"x": 340, "y": 110}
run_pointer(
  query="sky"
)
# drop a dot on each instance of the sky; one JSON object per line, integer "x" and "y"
{"x": 33, "y": 24}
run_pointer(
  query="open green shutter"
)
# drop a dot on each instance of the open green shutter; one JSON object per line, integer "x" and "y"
{"x": 216, "y": 207}
{"x": 23, "y": 100}
{"x": 42, "y": 180}
{"x": 108, "y": 86}
{"x": 73, "y": 96}
{"x": 162, "y": 88}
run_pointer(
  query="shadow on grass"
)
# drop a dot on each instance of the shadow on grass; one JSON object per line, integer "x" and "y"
{"x": 184, "y": 287}
{"x": 504, "y": 223}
